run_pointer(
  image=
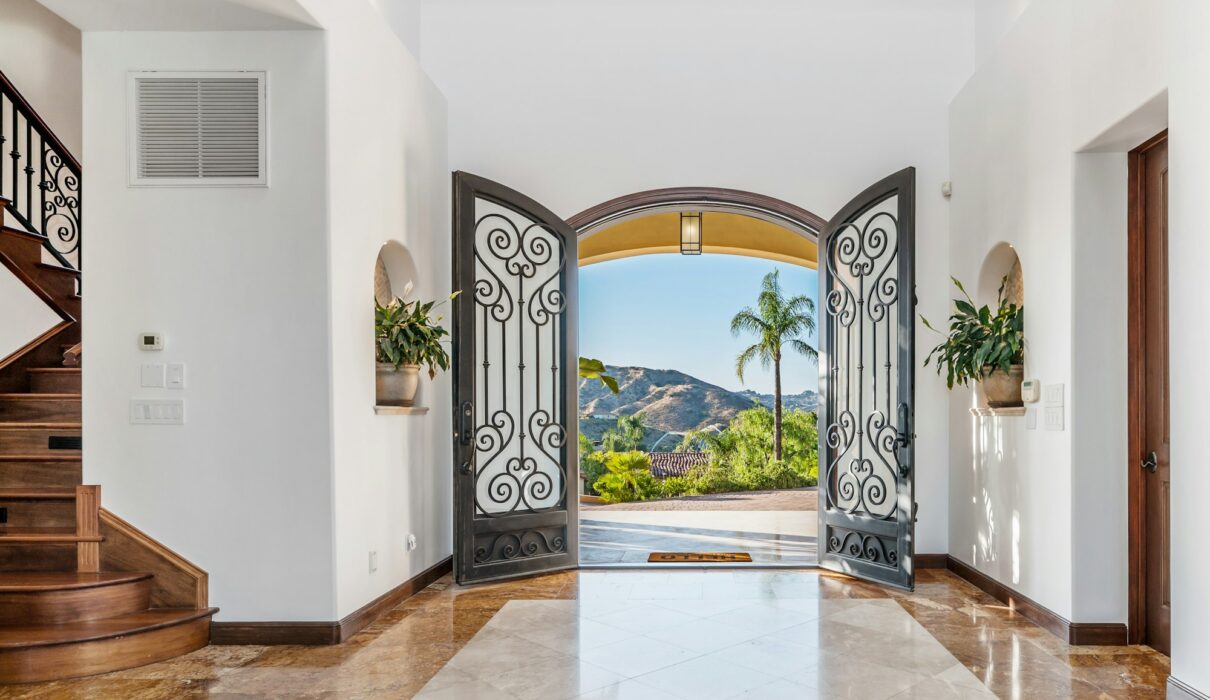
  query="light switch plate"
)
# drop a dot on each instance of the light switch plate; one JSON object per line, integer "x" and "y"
{"x": 1054, "y": 394}
{"x": 151, "y": 376}
{"x": 1054, "y": 417}
{"x": 157, "y": 411}
{"x": 176, "y": 375}
{"x": 1031, "y": 419}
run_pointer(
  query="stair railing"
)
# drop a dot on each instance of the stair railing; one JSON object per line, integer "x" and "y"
{"x": 42, "y": 181}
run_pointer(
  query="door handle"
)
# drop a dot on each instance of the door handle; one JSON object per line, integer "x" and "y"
{"x": 465, "y": 422}
{"x": 1151, "y": 462}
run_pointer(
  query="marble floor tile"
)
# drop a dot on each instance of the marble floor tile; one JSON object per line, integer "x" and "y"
{"x": 660, "y": 635}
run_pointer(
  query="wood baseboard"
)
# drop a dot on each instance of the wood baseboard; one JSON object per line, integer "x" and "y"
{"x": 318, "y": 633}
{"x": 1075, "y": 633}
{"x": 930, "y": 561}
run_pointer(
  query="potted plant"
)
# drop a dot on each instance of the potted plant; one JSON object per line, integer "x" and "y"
{"x": 406, "y": 337}
{"x": 984, "y": 346}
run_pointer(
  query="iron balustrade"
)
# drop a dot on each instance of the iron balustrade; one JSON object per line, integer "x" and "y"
{"x": 43, "y": 181}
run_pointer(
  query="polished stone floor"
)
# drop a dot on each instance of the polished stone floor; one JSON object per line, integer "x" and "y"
{"x": 628, "y": 537}
{"x": 664, "y": 634}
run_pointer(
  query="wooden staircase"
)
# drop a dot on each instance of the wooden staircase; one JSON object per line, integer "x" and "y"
{"x": 81, "y": 591}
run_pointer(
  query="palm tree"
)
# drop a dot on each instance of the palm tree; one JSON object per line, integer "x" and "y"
{"x": 628, "y": 436}
{"x": 779, "y": 323}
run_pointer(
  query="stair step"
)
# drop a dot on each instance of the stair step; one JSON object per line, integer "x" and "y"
{"x": 69, "y": 271}
{"x": 47, "y": 470}
{"x": 54, "y": 380}
{"x": 36, "y": 495}
{"x": 55, "y": 598}
{"x": 43, "y": 535}
{"x": 39, "y": 507}
{"x": 22, "y": 234}
{"x": 52, "y": 457}
{"x": 35, "y": 438}
{"x": 49, "y": 652}
{"x": 40, "y": 407}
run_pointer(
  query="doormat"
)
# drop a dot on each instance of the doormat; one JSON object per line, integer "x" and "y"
{"x": 689, "y": 557}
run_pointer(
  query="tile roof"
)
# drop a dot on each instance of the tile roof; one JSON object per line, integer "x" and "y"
{"x": 666, "y": 464}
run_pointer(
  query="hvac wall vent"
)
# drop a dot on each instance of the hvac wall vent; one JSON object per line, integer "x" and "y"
{"x": 198, "y": 129}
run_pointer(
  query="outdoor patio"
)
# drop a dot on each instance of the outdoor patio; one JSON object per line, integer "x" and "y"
{"x": 775, "y": 527}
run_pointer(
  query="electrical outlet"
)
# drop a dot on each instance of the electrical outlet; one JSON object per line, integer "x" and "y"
{"x": 373, "y": 561}
{"x": 411, "y": 542}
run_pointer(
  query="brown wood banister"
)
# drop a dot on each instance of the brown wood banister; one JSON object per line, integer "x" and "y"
{"x": 71, "y": 356}
{"x": 44, "y": 130}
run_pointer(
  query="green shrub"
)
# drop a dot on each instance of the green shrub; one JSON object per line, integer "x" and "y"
{"x": 627, "y": 478}
{"x": 592, "y": 465}
{"x": 676, "y": 486}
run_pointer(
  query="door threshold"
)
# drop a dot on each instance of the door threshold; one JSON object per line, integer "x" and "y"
{"x": 646, "y": 566}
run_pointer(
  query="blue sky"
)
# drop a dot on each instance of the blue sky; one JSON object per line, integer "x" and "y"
{"x": 674, "y": 312}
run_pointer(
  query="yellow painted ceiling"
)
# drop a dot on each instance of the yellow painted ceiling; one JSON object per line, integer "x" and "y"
{"x": 722, "y": 232}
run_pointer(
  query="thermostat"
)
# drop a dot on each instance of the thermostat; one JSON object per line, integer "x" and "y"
{"x": 1031, "y": 390}
{"x": 151, "y": 341}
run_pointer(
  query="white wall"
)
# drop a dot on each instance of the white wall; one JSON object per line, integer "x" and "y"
{"x": 40, "y": 54}
{"x": 389, "y": 179}
{"x": 236, "y": 280}
{"x": 403, "y": 16}
{"x": 26, "y": 316}
{"x": 1188, "y": 255}
{"x": 574, "y": 103}
{"x": 1037, "y": 147}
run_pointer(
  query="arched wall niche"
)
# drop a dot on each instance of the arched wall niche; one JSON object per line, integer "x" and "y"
{"x": 1001, "y": 266}
{"x": 395, "y": 275}
{"x": 394, "y": 272}
{"x": 1001, "y": 262}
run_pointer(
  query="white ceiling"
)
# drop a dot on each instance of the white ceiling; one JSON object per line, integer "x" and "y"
{"x": 182, "y": 15}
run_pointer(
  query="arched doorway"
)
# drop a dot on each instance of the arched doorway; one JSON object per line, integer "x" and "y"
{"x": 710, "y": 498}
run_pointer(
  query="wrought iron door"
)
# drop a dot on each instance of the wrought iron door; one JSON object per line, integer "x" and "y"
{"x": 867, "y": 378}
{"x": 515, "y": 383}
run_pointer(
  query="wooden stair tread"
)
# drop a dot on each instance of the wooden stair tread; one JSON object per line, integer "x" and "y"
{"x": 17, "y": 425}
{"x": 53, "y": 370}
{"x": 39, "y": 397}
{"x": 22, "y": 234}
{"x": 92, "y": 630}
{"x": 37, "y": 495}
{"x": 59, "y": 268}
{"x": 43, "y": 535}
{"x": 44, "y": 581}
{"x": 43, "y": 457}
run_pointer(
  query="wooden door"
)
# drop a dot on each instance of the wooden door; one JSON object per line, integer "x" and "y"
{"x": 1149, "y": 393}
{"x": 867, "y": 383}
{"x": 515, "y": 383}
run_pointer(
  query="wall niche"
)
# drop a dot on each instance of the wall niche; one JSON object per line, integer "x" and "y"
{"x": 395, "y": 277}
{"x": 1001, "y": 266}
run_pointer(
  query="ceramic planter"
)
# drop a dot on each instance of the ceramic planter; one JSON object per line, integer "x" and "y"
{"x": 1004, "y": 389}
{"x": 397, "y": 387}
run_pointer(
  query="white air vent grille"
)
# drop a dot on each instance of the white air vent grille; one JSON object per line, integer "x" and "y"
{"x": 195, "y": 129}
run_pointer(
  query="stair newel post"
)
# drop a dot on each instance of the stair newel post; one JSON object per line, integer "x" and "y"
{"x": 88, "y": 528}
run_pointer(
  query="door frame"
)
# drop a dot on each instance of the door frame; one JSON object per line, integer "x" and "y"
{"x": 716, "y": 199}
{"x": 1136, "y": 623}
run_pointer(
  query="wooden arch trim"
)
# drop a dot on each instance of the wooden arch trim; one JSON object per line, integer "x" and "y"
{"x": 718, "y": 199}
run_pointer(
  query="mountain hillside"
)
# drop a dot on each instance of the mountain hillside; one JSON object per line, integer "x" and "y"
{"x": 807, "y": 400}
{"x": 673, "y": 401}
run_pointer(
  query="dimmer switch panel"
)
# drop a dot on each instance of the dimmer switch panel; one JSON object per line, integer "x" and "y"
{"x": 157, "y": 411}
